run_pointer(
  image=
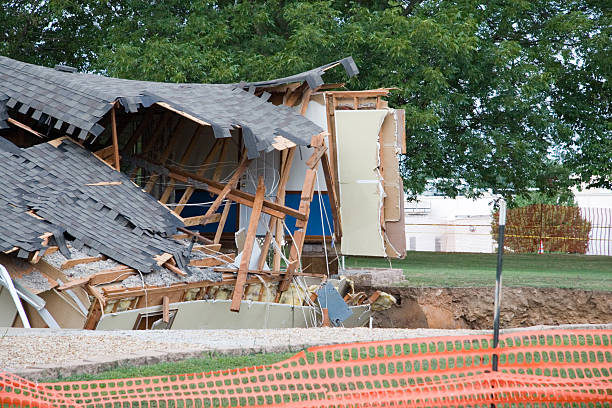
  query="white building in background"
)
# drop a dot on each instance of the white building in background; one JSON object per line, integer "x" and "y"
{"x": 442, "y": 224}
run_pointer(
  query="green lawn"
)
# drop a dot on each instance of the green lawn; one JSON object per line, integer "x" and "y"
{"x": 468, "y": 270}
{"x": 195, "y": 365}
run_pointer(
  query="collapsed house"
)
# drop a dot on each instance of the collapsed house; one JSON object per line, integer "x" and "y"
{"x": 132, "y": 204}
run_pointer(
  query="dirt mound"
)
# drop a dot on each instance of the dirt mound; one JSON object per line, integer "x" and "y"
{"x": 472, "y": 308}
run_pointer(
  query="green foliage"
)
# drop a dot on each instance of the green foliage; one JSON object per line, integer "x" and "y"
{"x": 498, "y": 95}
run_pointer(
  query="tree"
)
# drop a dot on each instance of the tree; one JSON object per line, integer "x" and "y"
{"x": 506, "y": 95}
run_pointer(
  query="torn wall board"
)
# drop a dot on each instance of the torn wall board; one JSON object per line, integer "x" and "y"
{"x": 361, "y": 190}
{"x": 390, "y": 164}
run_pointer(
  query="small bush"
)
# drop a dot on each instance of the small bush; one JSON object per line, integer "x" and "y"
{"x": 559, "y": 228}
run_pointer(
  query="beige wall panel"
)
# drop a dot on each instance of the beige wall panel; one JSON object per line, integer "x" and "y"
{"x": 361, "y": 190}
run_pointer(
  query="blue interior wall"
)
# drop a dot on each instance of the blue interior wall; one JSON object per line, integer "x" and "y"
{"x": 206, "y": 197}
{"x": 314, "y": 221}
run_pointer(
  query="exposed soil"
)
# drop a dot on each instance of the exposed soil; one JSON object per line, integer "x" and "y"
{"x": 472, "y": 308}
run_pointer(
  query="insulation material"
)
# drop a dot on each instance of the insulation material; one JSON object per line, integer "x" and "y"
{"x": 390, "y": 168}
{"x": 361, "y": 189}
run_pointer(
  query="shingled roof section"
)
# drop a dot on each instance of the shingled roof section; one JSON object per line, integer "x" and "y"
{"x": 81, "y": 100}
{"x": 75, "y": 192}
{"x": 3, "y": 113}
{"x": 313, "y": 77}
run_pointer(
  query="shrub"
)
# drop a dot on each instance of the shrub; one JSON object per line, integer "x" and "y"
{"x": 560, "y": 229}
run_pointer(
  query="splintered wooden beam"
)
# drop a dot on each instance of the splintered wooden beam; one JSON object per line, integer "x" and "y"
{"x": 248, "y": 246}
{"x": 71, "y": 263}
{"x": 115, "y": 138}
{"x": 73, "y": 283}
{"x": 207, "y": 159}
{"x": 231, "y": 184}
{"x": 201, "y": 220}
{"x": 275, "y": 209}
{"x": 226, "y": 209}
{"x": 24, "y": 127}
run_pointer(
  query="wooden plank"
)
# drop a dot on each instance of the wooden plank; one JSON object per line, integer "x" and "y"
{"x": 174, "y": 269}
{"x": 115, "y": 138}
{"x": 71, "y": 263}
{"x": 208, "y": 262}
{"x": 93, "y": 316}
{"x": 184, "y": 114}
{"x": 300, "y": 232}
{"x": 163, "y": 258}
{"x": 111, "y": 275}
{"x": 222, "y": 221}
{"x": 294, "y": 97}
{"x": 24, "y": 127}
{"x": 248, "y": 246}
{"x": 201, "y": 220}
{"x": 244, "y": 164}
{"x": 184, "y": 159}
{"x": 241, "y": 197}
{"x": 195, "y": 234}
{"x": 105, "y": 152}
{"x": 212, "y": 249}
{"x": 305, "y": 101}
{"x": 72, "y": 283}
{"x": 207, "y": 159}
{"x": 166, "y": 309}
{"x": 364, "y": 93}
{"x": 313, "y": 160}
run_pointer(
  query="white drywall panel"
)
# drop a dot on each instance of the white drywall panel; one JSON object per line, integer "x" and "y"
{"x": 361, "y": 190}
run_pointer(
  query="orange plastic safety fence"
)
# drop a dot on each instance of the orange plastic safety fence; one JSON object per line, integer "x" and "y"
{"x": 545, "y": 368}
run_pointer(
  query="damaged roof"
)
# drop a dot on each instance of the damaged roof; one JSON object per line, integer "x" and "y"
{"x": 76, "y": 102}
{"x": 75, "y": 192}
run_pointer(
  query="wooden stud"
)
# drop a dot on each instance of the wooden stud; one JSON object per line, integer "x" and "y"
{"x": 201, "y": 220}
{"x": 166, "y": 309}
{"x": 174, "y": 269}
{"x": 222, "y": 221}
{"x": 306, "y": 101}
{"x": 333, "y": 198}
{"x": 111, "y": 275}
{"x": 72, "y": 283}
{"x": 71, "y": 263}
{"x": 248, "y": 246}
{"x": 163, "y": 258}
{"x": 115, "y": 138}
{"x": 212, "y": 249}
{"x": 241, "y": 197}
{"x": 244, "y": 164}
{"x": 24, "y": 127}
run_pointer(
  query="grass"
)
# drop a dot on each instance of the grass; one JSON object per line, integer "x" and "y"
{"x": 194, "y": 365}
{"x": 435, "y": 269}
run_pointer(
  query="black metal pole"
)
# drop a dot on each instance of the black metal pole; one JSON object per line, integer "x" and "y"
{"x": 498, "y": 279}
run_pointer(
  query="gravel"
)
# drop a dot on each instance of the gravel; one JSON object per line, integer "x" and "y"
{"x": 43, "y": 350}
{"x": 35, "y": 281}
